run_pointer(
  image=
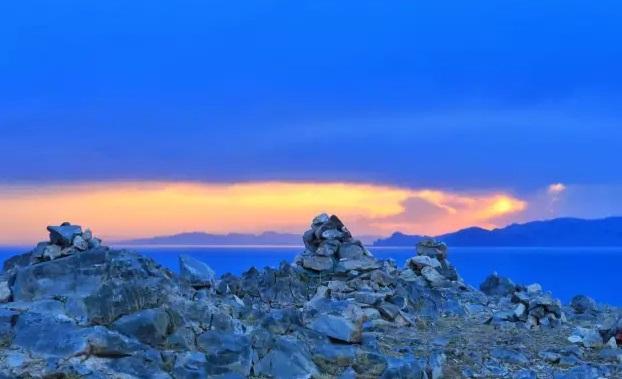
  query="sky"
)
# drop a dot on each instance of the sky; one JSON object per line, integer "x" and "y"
{"x": 149, "y": 117}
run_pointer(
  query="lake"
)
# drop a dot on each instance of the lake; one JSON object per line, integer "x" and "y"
{"x": 593, "y": 271}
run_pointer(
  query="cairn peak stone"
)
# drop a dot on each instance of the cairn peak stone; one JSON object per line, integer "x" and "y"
{"x": 64, "y": 234}
{"x": 320, "y": 219}
{"x": 432, "y": 248}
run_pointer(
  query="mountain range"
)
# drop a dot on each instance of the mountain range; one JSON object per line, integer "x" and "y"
{"x": 555, "y": 232}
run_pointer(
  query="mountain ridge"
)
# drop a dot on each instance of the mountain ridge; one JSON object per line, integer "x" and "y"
{"x": 563, "y": 231}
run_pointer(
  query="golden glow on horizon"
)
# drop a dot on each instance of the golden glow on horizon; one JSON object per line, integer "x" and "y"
{"x": 130, "y": 210}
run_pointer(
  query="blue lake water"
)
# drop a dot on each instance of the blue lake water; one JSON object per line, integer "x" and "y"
{"x": 563, "y": 271}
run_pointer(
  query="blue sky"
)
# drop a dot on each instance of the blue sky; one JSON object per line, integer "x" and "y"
{"x": 467, "y": 96}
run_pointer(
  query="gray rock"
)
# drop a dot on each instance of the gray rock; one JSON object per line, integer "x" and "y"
{"x": 332, "y": 358}
{"x": 351, "y": 250}
{"x": 63, "y": 235}
{"x": 332, "y": 234}
{"x": 190, "y": 365}
{"x": 337, "y": 327}
{"x": 583, "y": 304}
{"x": 80, "y": 244}
{"x": 418, "y": 262}
{"x": 496, "y": 285}
{"x": 328, "y": 248}
{"x": 362, "y": 264}
{"x": 508, "y": 355}
{"x": 195, "y": 272}
{"x": 320, "y": 219}
{"x": 432, "y": 248}
{"x": 150, "y": 326}
{"x": 87, "y": 234}
{"x": 5, "y": 291}
{"x": 317, "y": 263}
{"x": 289, "y": 358}
{"x": 52, "y": 252}
{"x": 432, "y": 276}
{"x": 226, "y": 352}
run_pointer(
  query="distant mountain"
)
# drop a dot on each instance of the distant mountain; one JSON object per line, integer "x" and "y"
{"x": 556, "y": 232}
{"x": 201, "y": 238}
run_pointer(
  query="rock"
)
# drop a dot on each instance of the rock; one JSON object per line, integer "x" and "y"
{"x": 195, "y": 272}
{"x": 582, "y": 304}
{"x": 351, "y": 250}
{"x": 320, "y": 219}
{"x": 361, "y": 264}
{"x": 226, "y": 352}
{"x": 432, "y": 276}
{"x": 150, "y": 326}
{"x": 520, "y": 312}
{"x": 432, "y": 248}
{"x": 87, "y": 234}
{"x": 333, "y": 357}
{"x": 63, "y": 235}
{"x": 190, "y": 365}
{"x": 5, "y": 291}
{"x": 534, "y": 289}
{"x": 80, "y": 244}
{"x": 52, "y": 252}
{"x": 328, "y": 248}
{"x": 496, "y": 285}
{"x": 289, "y": 358}
{"x": 317, "y": 263}
{"x": 337, "y": 327}
{"x": 332, "y": 234}
{"x": 508, "y": 355}
{"x": 420, "y": 261}
{"x": 589, "y": 338}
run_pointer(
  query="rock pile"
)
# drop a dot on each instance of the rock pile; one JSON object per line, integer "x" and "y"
{"x": 529, "y": 304}
{"x": 329, "y": 247}
{"x": 337, "y": 312}
{"x": 431, "y": 264}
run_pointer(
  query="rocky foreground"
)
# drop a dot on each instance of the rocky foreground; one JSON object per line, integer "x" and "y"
{"x": 73, "y": 308}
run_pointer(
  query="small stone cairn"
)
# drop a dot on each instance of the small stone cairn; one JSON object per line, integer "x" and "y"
{"x": 329, "y": 247}
{"x": 431, "y": 264}
{"x": 65, "y": 239}
{"x": 529, "y": 304}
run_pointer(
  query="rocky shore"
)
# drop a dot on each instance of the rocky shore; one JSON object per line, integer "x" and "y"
{"x": 74, "y": 308}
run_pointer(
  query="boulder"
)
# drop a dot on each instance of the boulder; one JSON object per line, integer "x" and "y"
{"x": 351, "y": 250}
{"x": 583, "y": 304}
{"x": 5, "y": 291}
{"x": 80, "y": 243}
{"x": 195, "y": 272}
{"x": 226, "y": 352}
{"x": 496, "y": 285}
{"x": 288, "y": 358}
{"x": 150, "y": 326}
{"x": 337, "y": 327}
{"x": 317, "y": 263}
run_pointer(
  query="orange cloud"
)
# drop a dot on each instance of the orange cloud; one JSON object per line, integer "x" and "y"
{"x": 128, "y": 209}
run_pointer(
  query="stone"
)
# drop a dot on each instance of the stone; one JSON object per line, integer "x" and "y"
{"x": 362, "y": 264}
{"x": 317, "y": 263}
{"x": 226, "y": 352}
{"x": 190, "y": 365}
{"x": 432, "y": 276}
{"x": 332, "y": 234}
{"x": 509, "y": 355}
{"x": 351, "y": 250}
{"x": 420, "y": 261}
{"x": 496, "y": 285}
{"x": 150, "y": 326}
{"x": 520, "y": 312}
{"x": 80, "y": 244}
{"x": 195, "y": 272}
{"x": 328, "y": 248}
{"x": 63, "y": 235}
{"x": 87, "y": 234}
{"x": 52, "y": 252}
{"x": 320, "y": 219}
{"x": 432, "y": 248}
{"x": 288, "y": 358}
{"x": 5, "y": 291}
{"x": 582, "y": 304}
{"x": 337, "y": 327}
{"x": 534, "y": 289}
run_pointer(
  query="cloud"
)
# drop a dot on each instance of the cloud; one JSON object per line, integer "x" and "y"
{"x": 133, "y": 209}
{"x": 556, "y": 188}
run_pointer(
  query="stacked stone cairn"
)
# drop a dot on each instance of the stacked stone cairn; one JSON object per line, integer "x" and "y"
{"x": 528, "y": 304}
{"x": 430, "y": 264}
{"x": 329, "y": 247}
